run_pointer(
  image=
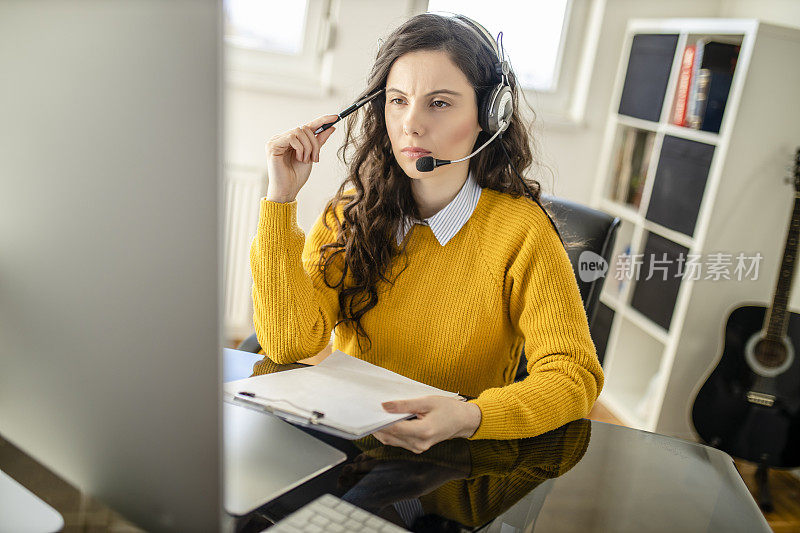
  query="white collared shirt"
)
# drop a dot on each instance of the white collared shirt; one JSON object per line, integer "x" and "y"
{"x": 447, "y": 222}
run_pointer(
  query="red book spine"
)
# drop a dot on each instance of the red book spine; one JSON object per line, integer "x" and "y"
{"x": 684, "y": 82}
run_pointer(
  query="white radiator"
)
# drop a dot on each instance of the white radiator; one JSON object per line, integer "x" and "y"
{"x": 244, "y": 187}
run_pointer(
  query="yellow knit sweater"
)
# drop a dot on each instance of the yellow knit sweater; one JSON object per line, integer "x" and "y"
{"x": 456, "y": 318}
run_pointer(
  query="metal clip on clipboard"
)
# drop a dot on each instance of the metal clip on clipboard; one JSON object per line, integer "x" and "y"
{"x": 312, "y": 418}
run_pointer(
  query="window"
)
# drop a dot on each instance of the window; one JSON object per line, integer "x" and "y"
{"x": 533, "y": 37}
{"x": 551, "y": 45}
{"x": 269, "y": 26}
{"x": 277, "y": 45}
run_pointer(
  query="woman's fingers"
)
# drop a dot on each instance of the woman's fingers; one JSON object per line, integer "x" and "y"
{"x": 319, "y": 121}
{"x": 320, "y": 138}
{"x": 308, "y": 147}
{"x": 313, "y": 155}
{"x": 302, "y": 140}
{"x": 299, "y": 149}
{"x": 414, "y": 435}
{"x": 415, "y": 405}
{"x": 387, "y": 439}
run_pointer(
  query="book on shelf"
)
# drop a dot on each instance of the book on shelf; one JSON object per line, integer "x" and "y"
{"x": 684, "y": 82}
{"x": 717, "y": 87}
{"x": 621, "y": 264}
{"x": 633, "y": 159}
{"x": 713, "y": 65}
{"x": 699, "y": 105}
{"x": 623, "y": 168}
{"x": 643, "y": 147}
{"x": 699, "y": 50}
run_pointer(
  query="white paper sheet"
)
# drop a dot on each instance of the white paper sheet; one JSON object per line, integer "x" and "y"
{"x": 347, "y": 390}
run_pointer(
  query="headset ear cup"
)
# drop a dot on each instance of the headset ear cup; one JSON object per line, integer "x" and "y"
{"x": 496, "y": 108}
{"x": 485, "y": 109}
{"x": 503, "y": 109}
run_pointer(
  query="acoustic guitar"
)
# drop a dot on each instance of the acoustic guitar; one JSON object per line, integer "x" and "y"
{"x": 749, "y": 406}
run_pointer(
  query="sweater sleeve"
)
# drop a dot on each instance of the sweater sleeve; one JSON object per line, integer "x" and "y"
{"x": 565, "y": 376}
{"x": 294, "y": 312}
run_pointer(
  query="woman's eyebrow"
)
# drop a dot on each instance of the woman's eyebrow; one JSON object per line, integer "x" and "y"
{"x": 439, "y": 91}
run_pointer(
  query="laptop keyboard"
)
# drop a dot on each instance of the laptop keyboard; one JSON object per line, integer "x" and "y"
{"x": 331, "y": 514}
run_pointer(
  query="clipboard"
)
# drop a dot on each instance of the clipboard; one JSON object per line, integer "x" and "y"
{"x": 341, "y": 396}
{"x": 307, "y": 421}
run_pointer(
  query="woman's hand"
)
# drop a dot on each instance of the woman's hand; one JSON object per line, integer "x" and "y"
{"x": 438, "y": 419}
{"x": 290, "y": 156}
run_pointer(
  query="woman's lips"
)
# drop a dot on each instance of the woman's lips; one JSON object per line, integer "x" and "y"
{"x": 414, "y": 153}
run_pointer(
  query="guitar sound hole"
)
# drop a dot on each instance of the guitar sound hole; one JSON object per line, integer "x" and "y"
{"x": 769, "y": 353}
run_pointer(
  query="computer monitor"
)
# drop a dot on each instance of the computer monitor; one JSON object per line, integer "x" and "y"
{"x": 110, "y": 250}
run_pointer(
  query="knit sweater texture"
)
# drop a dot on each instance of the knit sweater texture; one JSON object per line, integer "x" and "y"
{"x": 457, "y": 318}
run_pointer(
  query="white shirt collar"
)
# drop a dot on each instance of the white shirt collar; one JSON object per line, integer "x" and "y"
{"x": 447, "y": 222}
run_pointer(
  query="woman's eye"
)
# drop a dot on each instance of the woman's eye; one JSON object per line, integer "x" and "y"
{"x": 436, "y": 103}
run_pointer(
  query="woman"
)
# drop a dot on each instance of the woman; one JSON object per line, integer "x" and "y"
{"x": 441, "y": 276}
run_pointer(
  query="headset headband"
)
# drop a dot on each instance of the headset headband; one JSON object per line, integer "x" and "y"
{"x": 502, "y": 68}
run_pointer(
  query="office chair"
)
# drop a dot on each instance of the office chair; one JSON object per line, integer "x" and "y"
{"x": 589, "y": 230}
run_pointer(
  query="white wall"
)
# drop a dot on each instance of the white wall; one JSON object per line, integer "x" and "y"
{"x": 784, "y": 12}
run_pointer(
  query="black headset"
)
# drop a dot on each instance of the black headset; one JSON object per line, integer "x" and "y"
{"x": 497, "y": 106}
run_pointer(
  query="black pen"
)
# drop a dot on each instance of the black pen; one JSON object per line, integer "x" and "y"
{"x": 349, "y": 110}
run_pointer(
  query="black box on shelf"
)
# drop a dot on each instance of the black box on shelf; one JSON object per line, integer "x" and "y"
{"x": 655, "y": 297}
{"x": 646, "y": 79}
{"x": 679, "y": 184}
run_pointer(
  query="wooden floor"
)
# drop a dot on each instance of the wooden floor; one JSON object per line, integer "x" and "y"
{"x": 785, "y": 487}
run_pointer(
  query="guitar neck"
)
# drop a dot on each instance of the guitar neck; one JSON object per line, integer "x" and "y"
{"x": 777, "y": 316}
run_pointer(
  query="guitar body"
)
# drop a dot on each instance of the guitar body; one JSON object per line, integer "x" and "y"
{"x": 749, "y": 406}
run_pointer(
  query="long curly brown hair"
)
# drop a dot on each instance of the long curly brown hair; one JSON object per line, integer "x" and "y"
{"x": 381, "y": 198}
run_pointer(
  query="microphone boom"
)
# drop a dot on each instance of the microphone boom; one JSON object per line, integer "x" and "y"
{"x": 428, "y": 163}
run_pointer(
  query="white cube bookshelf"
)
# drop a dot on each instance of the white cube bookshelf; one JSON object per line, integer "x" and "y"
{"x": 653, "y": 372}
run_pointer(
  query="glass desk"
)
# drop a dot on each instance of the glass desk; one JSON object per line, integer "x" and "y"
{"x": 584, "y": 476}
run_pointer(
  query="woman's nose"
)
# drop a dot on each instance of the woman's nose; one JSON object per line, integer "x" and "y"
{"x": 413, "y": 122}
